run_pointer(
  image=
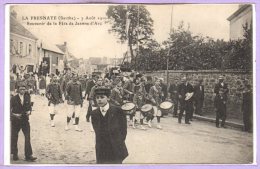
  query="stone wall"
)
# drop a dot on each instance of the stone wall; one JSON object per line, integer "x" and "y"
{"x": 235, "y": 80}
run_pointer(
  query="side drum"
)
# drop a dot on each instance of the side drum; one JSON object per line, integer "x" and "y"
{"x": 166, "y": 107}
{"x": 147, "y": 110}
{"x": 128, "y": 108}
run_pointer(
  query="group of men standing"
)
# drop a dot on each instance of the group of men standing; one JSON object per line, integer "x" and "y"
{"x": 187, "y": 98}
{"x": 191, "y": 99}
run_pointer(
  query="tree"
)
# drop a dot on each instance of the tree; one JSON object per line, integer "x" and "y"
{"x": 149, "y": 56}
{"x": 183, "y": 49}
{"x": 241, "y": 51}
{"x": 139, "y": 20}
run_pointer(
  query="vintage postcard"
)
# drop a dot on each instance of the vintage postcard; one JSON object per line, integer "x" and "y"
{"x": 130, "y": 84}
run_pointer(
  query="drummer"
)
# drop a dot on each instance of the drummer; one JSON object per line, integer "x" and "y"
{"x": 128, "y": 88}
{"x": 117, "y": 93}
{"x": 155, "y": 96}
{"x": 139, "y": 101}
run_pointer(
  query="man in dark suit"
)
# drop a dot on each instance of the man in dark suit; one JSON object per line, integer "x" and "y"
{"x": 198, "y": 97}
{"x": 247, "y": 108}
{"x": 173, "y": 94}
{"x": 110, "y": 126}
{"x": 164, "y": 89}
{"x": 223, "y": 87}
{"x": 92, "y": 103}
{"x": 20, "y": 106}
{"x": 90, "y": 84}
{"x": 185, "y": 90}
{"x": 148, "y": 84}
{"x": 220, "y": 102}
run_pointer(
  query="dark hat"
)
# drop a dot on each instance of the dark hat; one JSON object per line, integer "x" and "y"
{"x": 149, "y": 78}
{"x": 102, "y": 91}
{"x": 139, "y": 75}
{"x": 22, "y": 85}
{"x": 137, "y": 87}
{"x": 132, "y": 75}
{"x": 248, "y": 86}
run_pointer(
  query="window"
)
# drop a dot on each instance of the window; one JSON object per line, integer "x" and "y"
{"x": 57, "y": 60}
{"x": 21, "y": 48}
{"x": 30, "y": 50}
{"x": 12, "y": 51}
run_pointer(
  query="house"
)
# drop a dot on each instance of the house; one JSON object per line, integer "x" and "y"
{"x": 238, "y": 19}
{"x": 51, "y": 59}
{"x": 23, "y": 48}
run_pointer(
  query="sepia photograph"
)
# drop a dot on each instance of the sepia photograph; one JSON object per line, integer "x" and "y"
{"x": 130, "y": 84}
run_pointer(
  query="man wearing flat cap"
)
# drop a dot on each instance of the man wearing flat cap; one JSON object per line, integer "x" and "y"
{"x": 223, "y": 87}
{"x": 221, "y": 84}
{"x": 20, "y": 106}
{"x": 110, "y": 126}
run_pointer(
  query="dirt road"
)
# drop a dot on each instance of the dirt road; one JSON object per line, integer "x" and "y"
{"x": 200, "y": 142}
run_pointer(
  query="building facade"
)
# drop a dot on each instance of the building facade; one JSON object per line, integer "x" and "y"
{"x": 238, "y": 19}
{"x": 51, "y": 59}
{"x": 23, "y": 48}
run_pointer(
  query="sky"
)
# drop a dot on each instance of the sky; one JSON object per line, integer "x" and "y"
{"x": 86, "y": 41}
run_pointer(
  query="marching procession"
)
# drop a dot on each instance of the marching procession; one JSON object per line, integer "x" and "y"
{"x": 143, "y": 100}
{"x": 131, "y": 85}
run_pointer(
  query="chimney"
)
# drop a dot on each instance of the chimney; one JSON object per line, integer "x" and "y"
{"x": 65, "y": 43}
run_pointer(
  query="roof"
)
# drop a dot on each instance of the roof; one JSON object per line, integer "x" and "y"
{"x": 51, "y": 47}
{"x": 63, "y": 49}
{"x": 18, "y": 28}
{"x": 240, "y": 10}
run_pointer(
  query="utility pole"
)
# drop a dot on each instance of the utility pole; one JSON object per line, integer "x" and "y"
{"x": 168, "y": 55}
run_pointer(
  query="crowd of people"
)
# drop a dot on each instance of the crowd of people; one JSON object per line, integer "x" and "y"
{"x": 137, "y": 96}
